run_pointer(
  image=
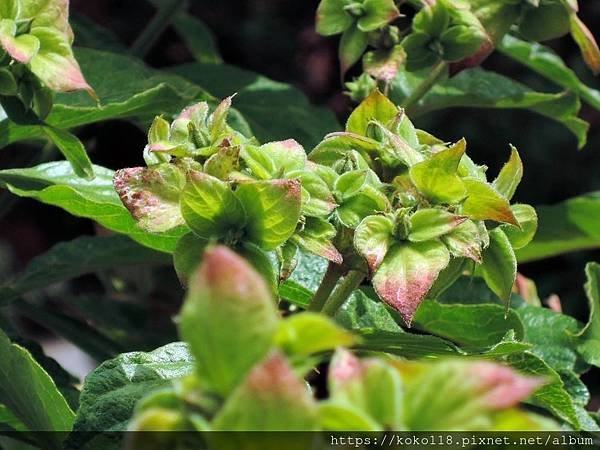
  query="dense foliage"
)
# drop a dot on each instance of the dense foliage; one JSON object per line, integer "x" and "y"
{"x": 376, "y": 261}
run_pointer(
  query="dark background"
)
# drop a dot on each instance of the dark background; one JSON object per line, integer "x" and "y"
{"x": 277, "y": 39}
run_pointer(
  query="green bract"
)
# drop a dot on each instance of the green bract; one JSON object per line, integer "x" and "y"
{"x": 445, "y": 31}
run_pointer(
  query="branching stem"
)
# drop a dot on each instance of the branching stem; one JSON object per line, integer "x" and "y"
{"x": 330, "y": 279}
{"x": 425, "y": 86}
{"x": 351, "y": 282}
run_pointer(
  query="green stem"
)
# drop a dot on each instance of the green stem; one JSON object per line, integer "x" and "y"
{"x": 155, "y": 28}
{"x": 425, "y": 86}
{"x": 351, "y": 282}
{"x": 330, "y": 279}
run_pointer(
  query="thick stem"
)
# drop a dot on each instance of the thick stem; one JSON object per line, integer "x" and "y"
{"x": 330, "y": 279}
{"x": 351, "y": 282}
{"x": 155, "y": 28}
{"x": 433, "y": 77}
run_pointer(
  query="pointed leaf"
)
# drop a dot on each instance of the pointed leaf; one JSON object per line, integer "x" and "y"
{"x": 499, "y": 267}
{"x": 375, "y": 107}
{"x": 271, "y": 398}
{"x": 320, "y": 201}
{"x": 430, "y": 223}
{"x": 510, "y": 175}
{"x": 72, "y": 149}
{"x": 273, "y": 210}
{"x": 436, "y": 177}
{"x": 228, "y": 305}
{"x": 30, "y": 394}
{"x": 373, "y": 238}
{"x": 485, "y": 203}
{"x": 209, "y": 207}
{"x": 407, "y": 273}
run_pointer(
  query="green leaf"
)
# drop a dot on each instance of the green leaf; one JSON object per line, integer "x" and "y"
{"x": 405, "y": 345}
{"x": 565, "y": 227}
{"x": 528, "y": 222}
{"x": 319, "y": 202}
{"x": 30, "y": 394}
{"x": 273, "y": 210}
{"x": 407, "y": 273}
{"x": 467, "y": 325}
{"x": 316, "y": 238}
{"x": 372, "y": 239}
{"x": 370, "y": 386}
{"x": 436, "y": 177}
{"x": 257, "y": 97}
{"x": 55, "y": 184}
{"x": 188, "y": 254}
{"x": 499, "y": 267}
{"x": 307, "y": 333}
{"x": 465, "y": 241}
{"x": 210, "y": 207}
{"x": 367, "y": 202}
{"x": 73, "y": 150}
{"x": 377, "y": 14}
{"x": 198, "y": 38}
{"x": 552, "y": 396}
{"x": 360, "y": 312}
{"x": 375, "y": 107}
{"x": 274, "y": 159}
{"x": 75, "y": 258}
{"x": 295, "y": 293}
{"x": 332, "y": 18}
{"x": 430, "y": 223}
{"x": 485, "y": 203}
{"x": 353, "y": 44}
{"x": 131, "y": 91}
{"x": 112, "y": 390}
{"x": 477, "y": 88}
{"x": 271, "y": 398}
{"x": 228, "y": 305}
{"x": 553, "y": 337}
{"x": 510, "y": 175}
{"x": 589, "y": 337}
{"x": 544, "y": 61}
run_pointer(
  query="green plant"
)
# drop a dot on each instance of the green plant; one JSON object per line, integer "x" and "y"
{"x": 379, "y": 252}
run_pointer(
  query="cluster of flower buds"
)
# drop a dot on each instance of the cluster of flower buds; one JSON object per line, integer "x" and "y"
{"x": 380, "y": 197}
{"x": 36, "y": 58}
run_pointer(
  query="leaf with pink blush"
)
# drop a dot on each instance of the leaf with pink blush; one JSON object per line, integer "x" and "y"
{"x": 271, "y": 398}
{"x": 373, "y": 238}
{"x": 407, "y": 272}
{"x": 20, "y": 48}
{"x": 152, "y": 195}
{"x": 55, "y": 64}
{"x": 316, "y": 238}
{"x": 49, "y": 13}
